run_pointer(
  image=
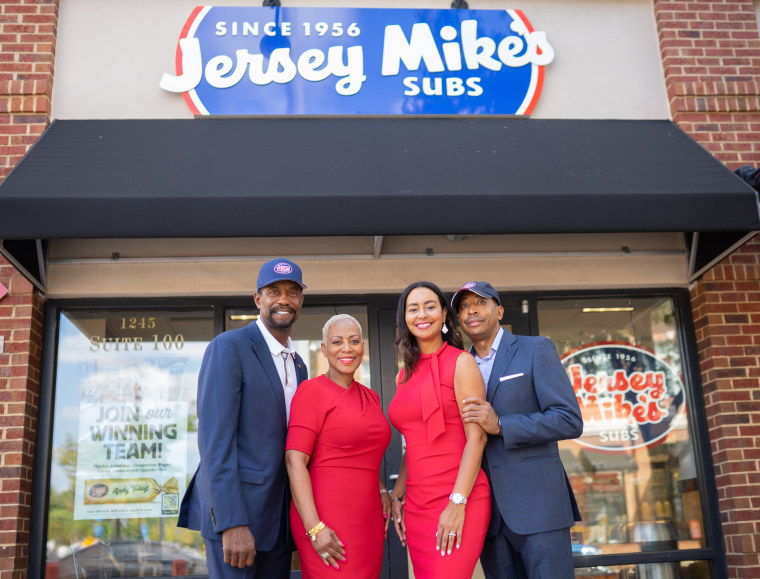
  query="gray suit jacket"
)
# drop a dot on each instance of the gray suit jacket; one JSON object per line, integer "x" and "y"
{"x": 241, "y": 479}
{"x": 532, "y": 395}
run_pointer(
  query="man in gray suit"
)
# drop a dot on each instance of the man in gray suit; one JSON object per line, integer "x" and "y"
{"x": 530, "y": 405}
{"x": 238, "y": 497}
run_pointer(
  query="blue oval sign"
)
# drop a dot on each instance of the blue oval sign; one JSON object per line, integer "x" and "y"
{"x": 358, "y": 61}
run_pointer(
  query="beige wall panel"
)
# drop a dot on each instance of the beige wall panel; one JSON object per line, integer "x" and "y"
{"x": 359, "y": 276}
{"x": 391, "y": 246}
{"x": 111, "y": 54}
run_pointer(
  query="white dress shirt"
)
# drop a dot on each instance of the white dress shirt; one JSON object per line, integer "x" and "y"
{"x": 284, "y": 361}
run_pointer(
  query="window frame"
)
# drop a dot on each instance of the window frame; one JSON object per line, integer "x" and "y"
{"x": 714, "y": 553}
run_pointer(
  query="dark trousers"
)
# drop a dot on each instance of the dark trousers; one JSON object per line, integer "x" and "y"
{"x": 508, "y": 555}
{"x": 272, "y": 564}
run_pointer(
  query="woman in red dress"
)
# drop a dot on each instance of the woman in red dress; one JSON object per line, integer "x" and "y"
{"x": 336, "y": 439}
{"x": 440, "y": 479}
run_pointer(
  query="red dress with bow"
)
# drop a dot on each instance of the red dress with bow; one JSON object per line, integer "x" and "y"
{"x": 425, "y": 411}
{"x": 345, "y": 433}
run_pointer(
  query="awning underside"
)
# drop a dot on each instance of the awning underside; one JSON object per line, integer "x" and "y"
{"x": 368, "y": 176}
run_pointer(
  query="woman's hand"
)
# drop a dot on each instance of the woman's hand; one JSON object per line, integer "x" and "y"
{"x": 397, "y": 511}
{"x": 450, "y": 526}
{"x": 386, "y": 500}
{"x": 329, "y": 547}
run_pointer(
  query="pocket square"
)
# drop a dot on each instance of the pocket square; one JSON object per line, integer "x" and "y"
{"x": 504, "y": 378}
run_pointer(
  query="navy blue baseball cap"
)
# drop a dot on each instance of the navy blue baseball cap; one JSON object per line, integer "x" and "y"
{"x": 482, "y": 288}
{"x": 279, "y": 269}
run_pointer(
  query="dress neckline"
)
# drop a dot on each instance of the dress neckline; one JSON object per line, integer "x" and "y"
{"x": 331, "y": 381}
{"x": 437, "y": 352}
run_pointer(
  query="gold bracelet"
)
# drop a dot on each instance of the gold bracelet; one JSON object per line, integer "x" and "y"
{"x": 312, "y": 533}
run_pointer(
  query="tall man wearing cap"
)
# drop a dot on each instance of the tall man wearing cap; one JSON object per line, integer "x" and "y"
{"x": 530, "y": 405}
{"x": 238, "y": 496}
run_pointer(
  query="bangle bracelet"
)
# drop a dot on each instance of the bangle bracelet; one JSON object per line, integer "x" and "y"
{"x": 312, "y": 533}
{"x": 384, "y": 492}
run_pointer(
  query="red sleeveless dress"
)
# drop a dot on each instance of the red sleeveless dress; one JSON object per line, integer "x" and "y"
{"x": 346, "y": 433}
{"x": 425, "y": 411}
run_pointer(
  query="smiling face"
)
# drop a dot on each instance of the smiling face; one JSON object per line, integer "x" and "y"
{"x": 344, "y": 349}
{"x": 479, "y": 316}
{"x": 279, "y": 305}
{"x": 424, "y": 315}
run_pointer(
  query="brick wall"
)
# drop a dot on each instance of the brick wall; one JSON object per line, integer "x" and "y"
{"x": 27, "y": 50}
{"x": 711, "y": 58}
{"x": 27, "y": 54}
{"x": 726, "y": 304}
{"x": 21, "y": 328}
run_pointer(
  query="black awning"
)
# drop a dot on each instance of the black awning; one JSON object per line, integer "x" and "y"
{"x": 367, "y": 176}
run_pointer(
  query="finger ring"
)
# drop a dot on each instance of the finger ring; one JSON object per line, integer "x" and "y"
{"x": 452, "y": 534}
{"x": 324, "y": 555}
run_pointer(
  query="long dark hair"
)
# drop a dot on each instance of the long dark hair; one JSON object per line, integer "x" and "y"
{"x": 407, "y": 348}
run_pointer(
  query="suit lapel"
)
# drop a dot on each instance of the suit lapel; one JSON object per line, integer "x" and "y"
{"x": 302, "y": 373}
{"x": 504, "y": 355}
{"x": 262, "y": 352}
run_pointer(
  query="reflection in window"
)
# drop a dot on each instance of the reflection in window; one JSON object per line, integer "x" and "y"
{"x": 633, "y": 469}
{"x": 124, "y": 444}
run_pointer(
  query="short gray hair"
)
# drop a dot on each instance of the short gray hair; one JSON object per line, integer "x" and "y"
{"x": 337, "y": 318}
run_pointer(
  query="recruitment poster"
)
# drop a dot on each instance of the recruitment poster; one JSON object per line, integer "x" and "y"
{"x": 132, "y": 444}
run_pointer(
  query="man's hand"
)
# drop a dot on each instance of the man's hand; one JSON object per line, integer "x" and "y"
{"x": 239, "y": 547}
{"x": 479, "y": 411}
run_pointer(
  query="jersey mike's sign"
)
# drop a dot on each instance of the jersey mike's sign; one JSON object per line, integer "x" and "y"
{"x": 328, "y": 61}
{"x": 628, "y": 396}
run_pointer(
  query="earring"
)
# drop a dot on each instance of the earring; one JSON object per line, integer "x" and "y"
{"x": 444, "y": 329}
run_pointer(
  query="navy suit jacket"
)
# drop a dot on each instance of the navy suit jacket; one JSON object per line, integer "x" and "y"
{"x": 532, "y": 395}
{"x": 242, "y": 427}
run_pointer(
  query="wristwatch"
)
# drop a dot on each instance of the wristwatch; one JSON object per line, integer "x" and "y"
{"x": 499, "y": 426}
{"x": 458, "y": 499}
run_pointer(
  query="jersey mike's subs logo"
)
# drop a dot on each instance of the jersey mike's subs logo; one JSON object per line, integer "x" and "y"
{"x": 272, "y": 60}
{"x": 628, "y": 396}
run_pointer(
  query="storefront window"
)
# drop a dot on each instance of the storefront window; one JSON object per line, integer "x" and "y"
{"x": 124, "y": 443}
{"x": 633, "y": 469}
{"x": 682, "y": 570}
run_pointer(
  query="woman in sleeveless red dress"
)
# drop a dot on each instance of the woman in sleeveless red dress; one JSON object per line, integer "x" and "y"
{"x": 441, "y": 501}
{"x": 336, "y": 439}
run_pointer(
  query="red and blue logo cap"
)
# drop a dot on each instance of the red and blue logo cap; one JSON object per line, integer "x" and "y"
{"x": 279, "y": 269}
{"x": 482, "y": 288}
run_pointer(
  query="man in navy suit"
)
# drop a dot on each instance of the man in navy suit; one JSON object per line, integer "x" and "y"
{"x": 530, "y": 405}
{"x": 238, "y": 496}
